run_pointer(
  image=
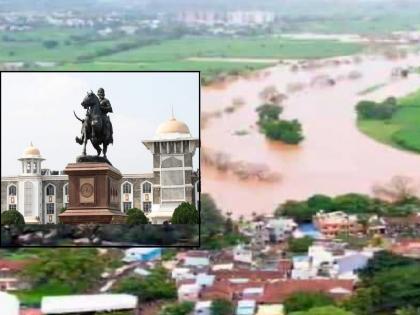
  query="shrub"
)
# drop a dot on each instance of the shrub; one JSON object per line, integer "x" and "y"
{"x": 12, "y": 217}
{"x": 185, "y": 213}
{"x": 136, "y": 216}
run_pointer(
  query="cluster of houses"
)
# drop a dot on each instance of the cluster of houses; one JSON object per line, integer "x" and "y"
{"x": 203, "y": 276}
{"x": 256, "y": 277}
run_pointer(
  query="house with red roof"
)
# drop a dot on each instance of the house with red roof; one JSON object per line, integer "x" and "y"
{"x": 9, "y": 275}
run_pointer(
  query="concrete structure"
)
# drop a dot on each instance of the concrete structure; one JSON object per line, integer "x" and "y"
{"x": 142, "y": 254}
{"x": 9, "y": 304}
{"x": 72, "y": 304}
{"x": 333, "y": 223}
{"x": 39, "y": 194}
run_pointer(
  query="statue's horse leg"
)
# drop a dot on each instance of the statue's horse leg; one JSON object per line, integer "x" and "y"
{"x": 97, "y": 147}
{"x": 105, "y": 145}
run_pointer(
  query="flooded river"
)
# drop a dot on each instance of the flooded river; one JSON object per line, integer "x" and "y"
{"x": 334, "y": 158}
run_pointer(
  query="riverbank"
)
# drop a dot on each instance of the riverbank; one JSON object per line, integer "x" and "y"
{"x": 402, "y": 130}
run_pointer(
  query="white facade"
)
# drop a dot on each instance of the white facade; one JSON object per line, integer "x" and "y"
{"x": 40, "y": 194}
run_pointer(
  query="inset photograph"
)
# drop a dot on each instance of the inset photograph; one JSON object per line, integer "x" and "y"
{"x": 100, "y": 158}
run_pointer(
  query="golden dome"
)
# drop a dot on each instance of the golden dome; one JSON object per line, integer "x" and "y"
{"x": 172, "y": 126}
{"x": 31, "y": 151}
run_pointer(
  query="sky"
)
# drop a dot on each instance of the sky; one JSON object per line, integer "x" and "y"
{"x": 38, "y": 107}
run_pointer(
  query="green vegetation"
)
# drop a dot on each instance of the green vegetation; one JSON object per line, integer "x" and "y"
{"x": 62, "y": 271}
{"x": 300, "y": 245}
{"x": 185, "y": 213}
{"x": 12, "y": 217}
{"x": 153, "y": 287}
{"x": 216, "y": 231}
{"x": 221, "y": 307}
{"x": 352, "y": 203}
{"x": 324, "y": 310}
{"x": 389, "y": 283}
{"x": 33, "y": 297}
{"x": 84, "y": 50}
{"x": 183, "y": 308}
{"x": 402, "y": 129}
{"x": 380, "y": 111}
{"x": 268, "y": 112}
{"x": 303, "y": 301}
{"x": 276, "y": 129}
{"x": 136, "y": 216}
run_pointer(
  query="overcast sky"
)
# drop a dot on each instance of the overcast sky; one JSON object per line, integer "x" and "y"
{"x": 38, "y": 107}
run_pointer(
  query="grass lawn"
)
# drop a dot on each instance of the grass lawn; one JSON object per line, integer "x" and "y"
{"x": 402, "y": 130}
{"x": 33, "y": 297}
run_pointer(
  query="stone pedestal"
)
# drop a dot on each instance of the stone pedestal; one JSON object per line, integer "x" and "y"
{"x": 94, "y": 194}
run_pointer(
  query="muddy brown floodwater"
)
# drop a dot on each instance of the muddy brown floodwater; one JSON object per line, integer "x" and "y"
{"x": 334, "y": 158}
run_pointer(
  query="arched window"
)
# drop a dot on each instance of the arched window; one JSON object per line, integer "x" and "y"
{"x": 50, "y": 190}
{"x": 12, "y": 190}
{"x": 147, "y": 187}
{"x": 127, "y": 188}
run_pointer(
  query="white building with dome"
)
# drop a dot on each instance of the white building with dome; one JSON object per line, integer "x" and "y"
{"x": 39, "y": 193}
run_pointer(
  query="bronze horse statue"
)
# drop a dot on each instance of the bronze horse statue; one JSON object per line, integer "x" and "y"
{"x": 94, "y": 126}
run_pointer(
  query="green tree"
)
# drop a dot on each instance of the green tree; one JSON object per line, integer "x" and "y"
{"x": 298, "y": 210}
{"x": 302, "y": 301}
{"x": 183, "y": 308}
{"x": 387, "y": 290}
{"x": 78, "y": 268}
{"x": 268, "y": 112}
{"x": 383, "y": 261}
{"x": 353, "y": 203}
{"x": 287, "y": 131}
{"x": 300, "y": 245}
{"x": 155, "y": 286}
{"x": 136, "y": 216}
{"x": 320, "y": 202}
{"x": 324, "y": 310}
{"x": 212, "y": 219}
{"x": 185, "y": 213}
{"x": 12, "y": 217}
{"x": 50, "y": 44}
{"x": 221, "y": 307}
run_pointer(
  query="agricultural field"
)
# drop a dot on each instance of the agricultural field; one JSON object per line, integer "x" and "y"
{"x": 84, "y": 50}
{"x": 402, "y": 130}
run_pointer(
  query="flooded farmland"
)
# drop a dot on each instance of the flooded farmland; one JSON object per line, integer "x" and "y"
{"x": 334, "y": 158}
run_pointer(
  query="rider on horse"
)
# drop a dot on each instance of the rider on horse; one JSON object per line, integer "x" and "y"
{"x": 106, "y": 108}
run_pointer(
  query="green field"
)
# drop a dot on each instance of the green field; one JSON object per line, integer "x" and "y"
{"x": 85, "y": 50}
{"x": 402, "y": 130}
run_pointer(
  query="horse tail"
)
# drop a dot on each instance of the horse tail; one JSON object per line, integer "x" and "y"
{"x": 81, "y": 120}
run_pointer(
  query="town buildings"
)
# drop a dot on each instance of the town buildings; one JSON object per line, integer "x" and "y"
{"x": 39, "y": 194}
{"x": 331, "y": 224}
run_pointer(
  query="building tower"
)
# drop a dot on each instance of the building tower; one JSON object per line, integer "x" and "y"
{"x": 173, "y": 149}
{"x": 30, "y": 185}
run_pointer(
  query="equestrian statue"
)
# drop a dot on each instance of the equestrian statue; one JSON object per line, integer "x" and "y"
{"x": 96, "y": 126}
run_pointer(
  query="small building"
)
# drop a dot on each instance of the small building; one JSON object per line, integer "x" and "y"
{"x": 332, "y": 224}
{"x": 142, "y": 254}
{"x": 202, "y": 308}
{"x": 246, "y": 307}
{"x": 271, "y": 309}
{"x": 242, "y": 254}
{"x": 196, "y": 261}
{"x": 80, "y": 304}
{"x": 9, "y": 279}
{"x": 9, "y": 304}
{"x": 188, "y": 292}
